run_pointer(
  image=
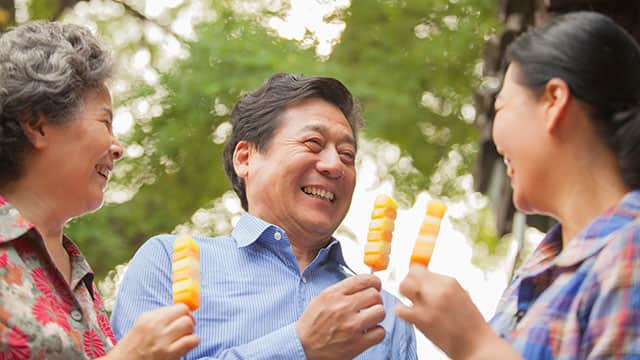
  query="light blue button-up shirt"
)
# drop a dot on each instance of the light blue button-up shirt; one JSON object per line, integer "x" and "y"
{"x": 252, "y": 294}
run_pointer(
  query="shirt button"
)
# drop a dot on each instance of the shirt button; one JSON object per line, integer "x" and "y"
{"x": 304, "y": 279}
{"x": 76, "y": 315}
{"x": 277, "y": 236}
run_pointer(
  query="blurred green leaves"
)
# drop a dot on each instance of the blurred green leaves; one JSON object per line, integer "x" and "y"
{"x": 413, "y": 65}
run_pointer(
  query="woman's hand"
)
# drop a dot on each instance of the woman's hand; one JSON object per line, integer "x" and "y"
{"x": 165, "y": 333}
{"x": 445, "y": 314}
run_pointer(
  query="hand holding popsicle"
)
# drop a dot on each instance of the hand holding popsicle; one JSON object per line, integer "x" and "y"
{"x": 164, "y": 333}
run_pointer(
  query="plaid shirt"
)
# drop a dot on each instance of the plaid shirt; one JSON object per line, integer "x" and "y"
{"x": 41, "y": 316}
{"x": 583, "y": 301}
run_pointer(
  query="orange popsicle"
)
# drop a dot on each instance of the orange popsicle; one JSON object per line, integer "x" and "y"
{"x": 428, "y": 233}
{"x": 185, "y": 272}
{"x": 378, "y": 247}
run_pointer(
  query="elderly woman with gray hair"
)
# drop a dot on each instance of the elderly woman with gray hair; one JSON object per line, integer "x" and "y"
{"x": 57, "y": 149}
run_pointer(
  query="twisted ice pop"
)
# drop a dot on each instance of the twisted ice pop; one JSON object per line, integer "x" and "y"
{"x": 378, "y": 247}
{"x": 185, "y": 272}
{"x": 426, "y": 241}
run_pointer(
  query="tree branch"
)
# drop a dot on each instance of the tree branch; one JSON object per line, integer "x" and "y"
{"x": 144, "y": 18}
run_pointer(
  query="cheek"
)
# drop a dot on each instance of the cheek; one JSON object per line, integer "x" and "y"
{"x": 350, "y": 181}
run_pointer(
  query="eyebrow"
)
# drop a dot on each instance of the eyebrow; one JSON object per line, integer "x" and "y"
{"x": 323, "y": 129}
{"x": 108, "y": 111}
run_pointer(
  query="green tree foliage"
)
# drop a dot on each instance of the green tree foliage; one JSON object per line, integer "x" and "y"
{"x": 413, "y": 64}
{"x": 182, "y": 164}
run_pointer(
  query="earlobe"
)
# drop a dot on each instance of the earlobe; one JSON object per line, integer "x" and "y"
{"x": 241, "y": 156}
{"x": 556, "y": 97}
{"x": 34, "y": 129}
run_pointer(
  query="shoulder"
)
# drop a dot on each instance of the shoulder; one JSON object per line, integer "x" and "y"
{"x": 617, "y": 265}
{"x": 623, "y": 243}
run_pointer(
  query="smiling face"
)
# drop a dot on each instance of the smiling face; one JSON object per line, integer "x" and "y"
{"x": 303, "y": 180}
{"x": 519, "y": 134}
{"x": 81, "y": 153}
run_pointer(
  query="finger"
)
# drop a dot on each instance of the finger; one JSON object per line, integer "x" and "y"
{"x": 366, "y": 298}
{"x": 167, "y": 314}
{"x": 373, "y": 336}
{"x": 357, "y": 283}
{"x": 180, "y": 327}
{"x": 371, "y": 316}
{"x": 419, "y": 272}
{"x": 405, "y": 313}
{"x": 411, "y": 289}
{"x": 182, "y": 345}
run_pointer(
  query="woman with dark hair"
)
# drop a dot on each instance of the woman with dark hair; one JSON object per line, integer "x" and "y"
{"x": 568, "y": 125}
{"x": 57, "y": 149}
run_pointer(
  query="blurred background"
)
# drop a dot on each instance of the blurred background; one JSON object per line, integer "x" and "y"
{"x": 425, "y": 72}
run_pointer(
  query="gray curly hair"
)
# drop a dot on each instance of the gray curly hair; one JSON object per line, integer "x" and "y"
{"x": 45, "y": 68}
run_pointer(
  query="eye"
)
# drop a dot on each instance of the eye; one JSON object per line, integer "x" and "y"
{"x": 347, "y": 156}
{"x": 314, "y": 144}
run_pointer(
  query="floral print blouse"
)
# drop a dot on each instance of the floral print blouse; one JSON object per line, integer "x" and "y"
{"x": 41, "y": 316}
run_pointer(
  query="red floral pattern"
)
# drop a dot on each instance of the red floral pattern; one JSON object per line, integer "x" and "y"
{"x": 37, "y": 304}
{"x": 42, "y": 282}
{"x": 45, "y": 312}
{"x": 17, "y": 345}
{"x": 105, "y": 326}
{"x": 92, "y": 344}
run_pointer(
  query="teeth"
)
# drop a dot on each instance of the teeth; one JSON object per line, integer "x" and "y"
{"x": 323, "y": 194}
{"x": 103, "y": 170}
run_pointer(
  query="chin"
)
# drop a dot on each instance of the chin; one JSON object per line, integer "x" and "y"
{"x": 93, "y": 205}
{"x": 324, "y": 228}
{"x": 522, "y": 204}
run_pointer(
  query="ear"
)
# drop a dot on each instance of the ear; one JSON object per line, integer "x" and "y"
{"x": 241, "y": 156}
{"x": 33, "y": 128}
{"x": 556, "y": 101}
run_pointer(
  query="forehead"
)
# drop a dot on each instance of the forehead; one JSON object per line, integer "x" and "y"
{"x": 99, "y": 94}
{"x": 315, "y": 115}
{"x": 510, "y": 84}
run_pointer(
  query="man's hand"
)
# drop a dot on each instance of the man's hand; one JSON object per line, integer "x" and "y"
{"x": 343, "y": 320}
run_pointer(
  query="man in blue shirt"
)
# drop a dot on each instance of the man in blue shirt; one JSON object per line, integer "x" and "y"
{"x": 278, "y": 287}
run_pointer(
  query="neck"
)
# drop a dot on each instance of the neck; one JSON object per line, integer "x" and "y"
{"x": 304, "y": 253}
{"x": 587, "y": 190}
{"x": 38, "y": 208}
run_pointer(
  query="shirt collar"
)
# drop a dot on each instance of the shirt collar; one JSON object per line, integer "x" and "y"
{"x": 250, "y": 229}
{"x": 12, "y": 224}
{"x": 588, "y": 242}
{"x": 596, "y": 234}
{"x": 80, "y": 268}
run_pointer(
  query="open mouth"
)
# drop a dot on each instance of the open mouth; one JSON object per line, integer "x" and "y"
{"x": 103, "y": 171}
{"x": 507, "y": 163}
{"x": 319, "y": 193}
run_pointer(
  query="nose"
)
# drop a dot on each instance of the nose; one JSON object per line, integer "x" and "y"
{"x": 116, "y": 150}
{"x": 330, "y": 164}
